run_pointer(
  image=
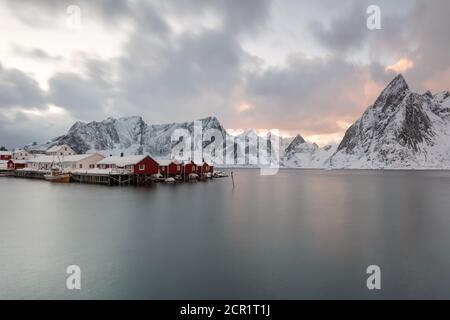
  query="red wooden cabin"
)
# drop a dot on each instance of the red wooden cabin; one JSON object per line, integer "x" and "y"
{"x": 190, "y": 167}
{"x": 146, "y": 166}
{"x": 5, "y": 155}
{"x": 19, "y": 164}
{"x": 169, "y": 168}
{"x": 204, "y": 168}
{"x": 140, "y": 164}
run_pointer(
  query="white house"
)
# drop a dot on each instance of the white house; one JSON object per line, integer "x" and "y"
{"x": 61, "y": 150}
{"x": 20, "y": 154}
{"x": 68, "y": 163}
{"x": 37, "y": 150}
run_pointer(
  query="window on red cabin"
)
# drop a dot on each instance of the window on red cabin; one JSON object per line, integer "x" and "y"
{"x": 142, "y": 167}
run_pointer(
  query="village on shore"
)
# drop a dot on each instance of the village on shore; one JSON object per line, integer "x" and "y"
{"x": 95, "y": 168}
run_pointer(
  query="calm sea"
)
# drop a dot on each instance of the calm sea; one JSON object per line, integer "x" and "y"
{"x": 298, "y": 234}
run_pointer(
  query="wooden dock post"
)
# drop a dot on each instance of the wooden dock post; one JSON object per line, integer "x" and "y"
{"x": 232, "y": 178}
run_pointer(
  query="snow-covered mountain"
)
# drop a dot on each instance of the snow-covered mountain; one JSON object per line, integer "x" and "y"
{"x": 251, "y": 137}
{"x": 131, "y": 135}
{"x": 300, "y": 153}
{"x": 402, "y": 129}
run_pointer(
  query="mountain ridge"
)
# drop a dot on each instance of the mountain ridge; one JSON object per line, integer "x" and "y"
{"x": 400, "y": 130}
{"x": 132, "y": 135}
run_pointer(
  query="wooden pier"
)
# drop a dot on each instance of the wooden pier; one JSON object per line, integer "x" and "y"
{"x": 115, "y": 178}
{"x": 30, "y": 174}
{"x": 112, "y": 179}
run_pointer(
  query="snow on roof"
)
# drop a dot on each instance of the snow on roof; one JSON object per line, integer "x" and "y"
{"x": 122, "y": 161}
{"x": 108, "y": 171}
{"x": 20, "y": 161}
{"x": 165, "y": 161}
{"x": 54, "y": 149}
{"x": 63, "y": 159}
{"x": 57, "y": 148}
{"x": 43, "y": 159}
{"x": 4, "y": 161}
{"x": 196, "y": 163}
{"x": 5, "y": 153}
{"x": 202, "y": 163}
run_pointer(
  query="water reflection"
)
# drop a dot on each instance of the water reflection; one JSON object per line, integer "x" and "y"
{"x": 298, "y": 234}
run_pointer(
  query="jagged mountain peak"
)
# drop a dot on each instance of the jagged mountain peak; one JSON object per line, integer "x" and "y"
{"x": 304, "y": 154}
{"x": 209, "y": 119}
{"x": 211, "y": 122}
{"x": 397, "y": 84}
{"x": 298, "y": 139}
{"x": 392, "y": 95}
{"x": 130, "y": 118}
{"x": 400, "y": 79}
{"x": 77, "y": 125}
{"x": 428, "y": 94}
{"x": 296, "y": 143}
{"x": 127, "y": 119}
{"x": 401, "y": 129}
{"x": 441, "y": 96}
{"x": 108, "y": 120}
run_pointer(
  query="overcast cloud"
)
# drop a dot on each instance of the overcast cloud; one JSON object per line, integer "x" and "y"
{"x": 298, "y": 66}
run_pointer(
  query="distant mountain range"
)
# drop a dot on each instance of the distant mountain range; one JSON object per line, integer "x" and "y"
{"x": 402, "y": 129}
{"x": 130, "y": 135}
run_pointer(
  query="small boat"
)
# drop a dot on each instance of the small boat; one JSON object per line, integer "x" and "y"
{"x": 56, "y": 175}
{"x": 220, "y": 174}
{"x": 170, "y": 180}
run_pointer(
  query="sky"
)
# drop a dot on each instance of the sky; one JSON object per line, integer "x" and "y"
{"x": 308, "y": 67}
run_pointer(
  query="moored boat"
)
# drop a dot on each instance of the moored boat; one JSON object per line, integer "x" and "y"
{"x": 220, "y": 174}
{"x": 56, "y": 175}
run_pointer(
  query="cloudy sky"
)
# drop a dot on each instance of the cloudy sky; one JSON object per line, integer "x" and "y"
{"x": 300, "y": 66}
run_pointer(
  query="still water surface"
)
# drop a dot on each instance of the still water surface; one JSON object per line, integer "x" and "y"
{"x": 298, "y": 234}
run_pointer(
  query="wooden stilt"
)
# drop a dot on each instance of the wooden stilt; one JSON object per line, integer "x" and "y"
{"x": 232, "y": 178}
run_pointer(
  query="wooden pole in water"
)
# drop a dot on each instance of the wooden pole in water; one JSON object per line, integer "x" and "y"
{"x": 232, "y": 178}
